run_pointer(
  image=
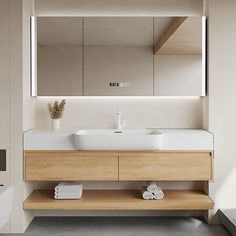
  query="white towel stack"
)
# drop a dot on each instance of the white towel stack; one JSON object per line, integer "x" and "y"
{"x": 68, "y": 190}
{"x": 152, "y": 191}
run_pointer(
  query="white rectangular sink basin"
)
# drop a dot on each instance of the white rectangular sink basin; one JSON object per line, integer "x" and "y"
{"x": 111, "y": 139}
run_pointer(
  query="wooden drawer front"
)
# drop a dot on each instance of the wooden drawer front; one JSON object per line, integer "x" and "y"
{"x": 165, "y": 166}
{"x": 70, "y": 166}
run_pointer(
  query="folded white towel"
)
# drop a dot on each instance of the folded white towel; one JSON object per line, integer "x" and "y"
{"x": 68, "y": 187}
{"x": 77, "y": 192}
{"x": 66, "y": 198}
{"x": 146, "y": 194}
{"x": 68, "y": 195}
{"x": 152, "y": 187}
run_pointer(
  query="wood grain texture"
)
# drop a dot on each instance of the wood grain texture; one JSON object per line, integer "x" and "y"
{"x": 166, "y": 166}
{"x": 133, "y": 165}
{"x": 120, "y": 200}
{"x": 59, "y": 165}
{"x": 174, "y": 25}
{"x": 183, "y": 36}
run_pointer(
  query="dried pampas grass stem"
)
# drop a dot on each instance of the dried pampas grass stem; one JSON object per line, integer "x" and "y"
{"x": 56, "y": 110}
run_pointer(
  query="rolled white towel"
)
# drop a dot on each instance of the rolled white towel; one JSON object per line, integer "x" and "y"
{"x": 146, "y": 194}
{"x": 158, "y": 195}
{"x": 152, "y": 187}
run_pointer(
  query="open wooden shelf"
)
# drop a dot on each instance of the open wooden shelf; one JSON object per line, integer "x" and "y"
{"x": 120, "y": 200}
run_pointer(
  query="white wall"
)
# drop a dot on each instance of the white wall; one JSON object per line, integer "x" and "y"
{"x": 28, "y": 101}
{"x": 222, "y": 99}
{"x": 4, "y": 90}
{"x": 99, "y": 112}
{"x": 17, "y": 104}
{"x": 4, "y": 84}
{"x": 16, "y": 112}
{"x": 119, "y": 8}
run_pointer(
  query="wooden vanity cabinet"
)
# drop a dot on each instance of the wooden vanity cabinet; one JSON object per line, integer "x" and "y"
{"x": 137, "y": 166}
{"x": 166, "y": 166}
{"x": 70, "y": 165}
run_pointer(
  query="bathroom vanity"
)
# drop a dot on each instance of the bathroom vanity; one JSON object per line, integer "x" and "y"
{"x": 119, "y": 56}
{"x": 48, "y": 160}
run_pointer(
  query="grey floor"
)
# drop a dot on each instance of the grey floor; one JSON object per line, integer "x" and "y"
{"x": 122, "y": 226}
{"x": 228, "y": 218}
{"x": 230, "y": 214}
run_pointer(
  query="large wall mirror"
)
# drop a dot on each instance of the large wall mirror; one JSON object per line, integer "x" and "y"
{"x": 119, "y": 56}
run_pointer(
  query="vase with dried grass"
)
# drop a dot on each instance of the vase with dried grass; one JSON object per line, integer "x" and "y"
{"x": 56, "y": 112}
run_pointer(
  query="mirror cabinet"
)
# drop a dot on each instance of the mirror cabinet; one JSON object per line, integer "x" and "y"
{"x": 118, "y": 56}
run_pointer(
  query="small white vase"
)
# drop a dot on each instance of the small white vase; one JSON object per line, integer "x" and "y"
{"x": 55, "y": 124}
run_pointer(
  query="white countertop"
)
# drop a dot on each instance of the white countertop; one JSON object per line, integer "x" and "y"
{"x": 173, "y": 139}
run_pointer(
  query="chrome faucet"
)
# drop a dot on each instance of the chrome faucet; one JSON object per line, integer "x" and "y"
{"x": 120, "y": 123}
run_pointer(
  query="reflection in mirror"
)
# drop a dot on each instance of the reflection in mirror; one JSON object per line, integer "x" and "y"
{"x": 118, "y": 58}
{"x": 59, "y": 56}
{"x": 179, "y": 61}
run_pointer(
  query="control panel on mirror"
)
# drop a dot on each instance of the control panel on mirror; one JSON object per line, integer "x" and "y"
{"x": 118, "y": 56}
